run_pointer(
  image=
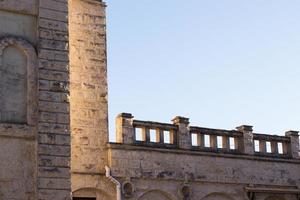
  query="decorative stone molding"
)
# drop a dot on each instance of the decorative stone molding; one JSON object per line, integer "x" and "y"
{"x": 182, "y": 136}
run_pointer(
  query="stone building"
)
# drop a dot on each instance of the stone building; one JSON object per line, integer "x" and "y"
{"x": 54, "y": 125}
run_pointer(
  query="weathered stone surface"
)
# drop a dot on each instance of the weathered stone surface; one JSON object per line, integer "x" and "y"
{"x": 88, "y": 99}
{"x": 13, "y": 77}
{"x": 210, "y": 169}
{"x": 56, "y": 93}
{"x": 17, "y": 171}
{"x": 19, "y": 25}
{"x": 24, "y": 6}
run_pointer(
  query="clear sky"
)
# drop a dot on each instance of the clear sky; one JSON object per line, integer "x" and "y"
{"x": 222, "y": 63}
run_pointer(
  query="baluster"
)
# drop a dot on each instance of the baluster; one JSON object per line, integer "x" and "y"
{"x": 225, "y": 142}
{"x": 147, "y": 133}
{"x": 274, "y": 147}
{"x": 213, "y": 141}
{"x": 200, "y": 140}
{"x": 237, "y": 144}
{"x": 161, "y": 136}
{"x": 262, "y": 146}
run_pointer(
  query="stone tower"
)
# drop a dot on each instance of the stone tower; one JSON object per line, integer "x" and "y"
{"x": 88, "y": 98}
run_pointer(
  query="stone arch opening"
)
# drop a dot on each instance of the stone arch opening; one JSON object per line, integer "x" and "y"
{"x": 90, "y": 193}
{"x": 217, "y": 196}
{"x": 155, "y": 194}
{"x": 18, "y": 76}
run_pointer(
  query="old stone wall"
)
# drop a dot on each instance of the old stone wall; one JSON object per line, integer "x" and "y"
{"x": 54, "y": 110}
{"x": 89, "y": 112}
{"x": 156, "y": 160}
{"x": 18, "y": 132}
{"x": 34, "y": 107}
{"x": 152, "y": 169}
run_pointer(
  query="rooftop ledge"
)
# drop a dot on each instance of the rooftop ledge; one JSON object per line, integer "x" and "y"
{"x": 181, "y": 136}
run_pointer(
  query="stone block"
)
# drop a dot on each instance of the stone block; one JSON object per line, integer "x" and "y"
{"x": 53, "y": 15}
{"x": 53, "y": 25}
{"x": 53, "y": 150}
{"x": 53, "y": 128}
{"x": 54, "y": 183}
{"x": 54, "y": 161}
{"x": 54, "y": 5}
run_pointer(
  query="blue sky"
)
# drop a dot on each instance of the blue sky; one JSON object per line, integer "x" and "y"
{"x": 221, "y": 63}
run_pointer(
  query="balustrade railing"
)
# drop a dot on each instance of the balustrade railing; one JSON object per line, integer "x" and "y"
{"x": 155, "y": 134}
{"x": 180, "y": 135}
{"x": 216, "y": 140}
{"x": 271, "y": 145}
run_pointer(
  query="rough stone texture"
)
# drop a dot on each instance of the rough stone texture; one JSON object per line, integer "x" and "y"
{"x": 34, "y": 124}
{"x": 17, "y": 24}
{"x": 38, "y": 115}
{"x": 18, "y": 63}
{"x": 29, "y": 7}
{"x": 159, "y": 171}
{"x": 54, "y": 110}
{"x": 88, "y": 95}
{"x": 17, "y": 169}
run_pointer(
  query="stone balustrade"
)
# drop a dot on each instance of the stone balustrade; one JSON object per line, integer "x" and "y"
{"x": 225, "y": 141}
{"x": 180, "y": 135}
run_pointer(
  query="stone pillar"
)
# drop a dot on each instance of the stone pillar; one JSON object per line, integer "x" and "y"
{"x": 294, "y": 145}
{"x": 225, "y": 142}
{"x": 88, "y": 98}
{"x": 213, "y": 141}
{"x": 54, "y": 109}
{"x": 246, "y": 144}
{"x": 184, "y": 137}
{"x": 124, "y": 128}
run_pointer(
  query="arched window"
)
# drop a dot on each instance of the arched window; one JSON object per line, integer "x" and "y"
{"x": 18, "y": 82}
{"x": 217, "y": 196}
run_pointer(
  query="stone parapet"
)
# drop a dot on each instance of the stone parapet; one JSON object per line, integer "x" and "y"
{"x": 180, "y": 135}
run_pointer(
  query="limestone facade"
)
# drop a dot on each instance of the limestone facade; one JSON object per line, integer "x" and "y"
{"x": 88, "y": 100}
{"x": 177, "y": 161}
{"x": 54, "y": 125}
{"x": 34, "y": 102}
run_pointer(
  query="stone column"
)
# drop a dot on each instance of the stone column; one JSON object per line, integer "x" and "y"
{"x": 246, "y": 144}
{"x": 294, "y": 145}
{"x": 53, "y": 179}
{"x": 124, "y": 128}
{"x": 184, "y": 137}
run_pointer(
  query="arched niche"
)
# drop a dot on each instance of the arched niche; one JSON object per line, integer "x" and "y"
{"x": 155, "y": 194}
{"x": 18, "y": 81}
{"x": 217, "y": 196}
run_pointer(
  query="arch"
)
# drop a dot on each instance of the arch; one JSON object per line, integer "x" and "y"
{"x": 91, "y": 193}
{"x": 155, "y": 194}
{"x": 15, "y": 45}
{"x": 217, "y": 196}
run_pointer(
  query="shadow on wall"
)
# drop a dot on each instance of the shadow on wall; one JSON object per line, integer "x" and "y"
{"x": 275, "y": 198}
